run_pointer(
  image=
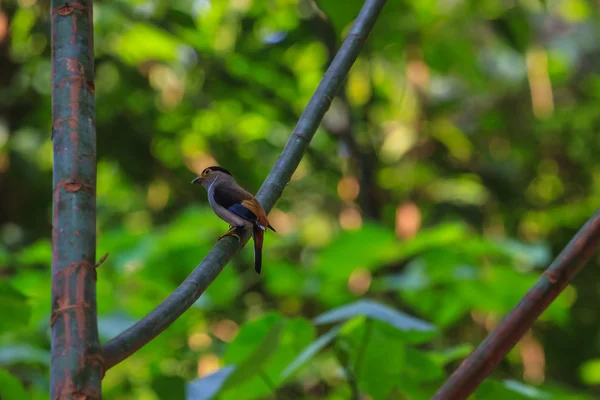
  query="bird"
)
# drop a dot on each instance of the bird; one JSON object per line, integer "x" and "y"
{"x": 237, "y": 206}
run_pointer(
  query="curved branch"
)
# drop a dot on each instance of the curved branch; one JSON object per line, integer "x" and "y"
{"x": 492, "y": 350}
{"x": 131, "y": 340}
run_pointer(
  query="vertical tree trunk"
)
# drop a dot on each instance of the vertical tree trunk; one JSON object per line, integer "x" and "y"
{"x": 76, "y": 366}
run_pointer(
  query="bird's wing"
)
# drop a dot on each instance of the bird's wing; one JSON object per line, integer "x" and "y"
{"x": 241, "y": 203}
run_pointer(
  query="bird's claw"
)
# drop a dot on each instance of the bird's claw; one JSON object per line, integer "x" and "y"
{"x": 235, "y": 235}
{"x": 231, "y": 232}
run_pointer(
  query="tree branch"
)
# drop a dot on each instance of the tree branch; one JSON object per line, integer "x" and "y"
{"x": 492, "y": 350}
{"x": 128, "y": 342}
{"x": 76, "y": 364}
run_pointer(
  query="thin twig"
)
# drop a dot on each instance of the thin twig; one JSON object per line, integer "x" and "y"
{"x": 492, "y": 350}
{"x": 128, "y": 342}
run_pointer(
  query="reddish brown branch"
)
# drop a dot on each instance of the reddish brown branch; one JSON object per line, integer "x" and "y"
{"x": 76, "y": 365}
{"x": 492, "y": 350}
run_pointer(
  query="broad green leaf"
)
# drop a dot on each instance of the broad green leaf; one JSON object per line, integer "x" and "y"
{"x": 526, "y": 390}
{"x": 443, "y": 235}
{"x": 444, "y": 309}
{"x": 535, "y": 254}
{"x": 297, "y": 333}
{"x": 377, "y": 311}
{"x": 413, "y": 278}
{"x": 171, "y": 387}
{"x": 367, "y": 248}
{"x": 420, "y": 367}
{"x": 10, "y": 387}
{"x": 208, "y": 387}
{"x": 310, "y": 351}
{"x": 252, "y": 365}
{"x": 378, "y": 357}
{"x": 250, "y": 337}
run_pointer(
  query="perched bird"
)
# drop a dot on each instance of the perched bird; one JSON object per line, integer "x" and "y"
{"x": 236, "y": 206}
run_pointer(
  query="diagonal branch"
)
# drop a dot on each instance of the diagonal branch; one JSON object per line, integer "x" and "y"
{"x": 131, "y": 340}
{"x": 492, "y": 350}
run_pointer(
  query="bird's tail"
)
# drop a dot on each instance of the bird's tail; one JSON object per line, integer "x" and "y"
{"x": 271, "y": 228}
{"x": 258, "y": 236}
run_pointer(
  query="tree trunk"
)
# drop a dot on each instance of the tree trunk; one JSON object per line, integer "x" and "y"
{"x": 76, "y": 365}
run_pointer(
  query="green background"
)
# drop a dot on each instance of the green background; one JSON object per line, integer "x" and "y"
{"x": 457, "y": 161}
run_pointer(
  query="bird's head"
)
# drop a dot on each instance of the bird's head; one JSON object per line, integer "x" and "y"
{"x": 211, "y": 174}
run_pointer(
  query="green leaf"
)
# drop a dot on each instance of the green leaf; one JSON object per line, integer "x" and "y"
{"x": 590, "y": 372}
{"x": 253, "y": 362}
{"x": 526, "y": 390}
{"x": 443, "y": 235}
{"x": 443, "y": 357}
{"x": 340, "y": 17}
{"x": 15, "y": 309}
{"x": 367, "y": 248}
{"x": 10, "y": 387}
{"x": 168, "y": 387}
{"x": 208, "y": 387}
{"x": 536, "y": 254}
{"x": 493, "y": 390}
{"x": 514, "y": 27}
{"x": 420, "y": 367}
{"x": 38, "y": 253}
{"x": 310, "y": 351}
{"x": 377, "y": 311}
{"x": 296, "y": 335}
{"x": 444, "y": 309}
{"x": 378, "y": 358}
{"x": 143, "y": 42}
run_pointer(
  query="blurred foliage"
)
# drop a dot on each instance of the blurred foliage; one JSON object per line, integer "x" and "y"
{"x": 457, "y": 161}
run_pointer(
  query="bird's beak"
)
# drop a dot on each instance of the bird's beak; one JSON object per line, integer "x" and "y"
{"x": 197, "y": 180}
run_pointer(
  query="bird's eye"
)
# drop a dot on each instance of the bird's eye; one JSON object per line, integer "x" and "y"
{"x": 207, "y": 171}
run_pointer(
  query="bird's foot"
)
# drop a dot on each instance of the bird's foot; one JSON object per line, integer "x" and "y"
{"x": 231, "y": 232}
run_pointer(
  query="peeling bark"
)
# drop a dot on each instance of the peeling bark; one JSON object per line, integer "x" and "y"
{"x": 77, "y": 363}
